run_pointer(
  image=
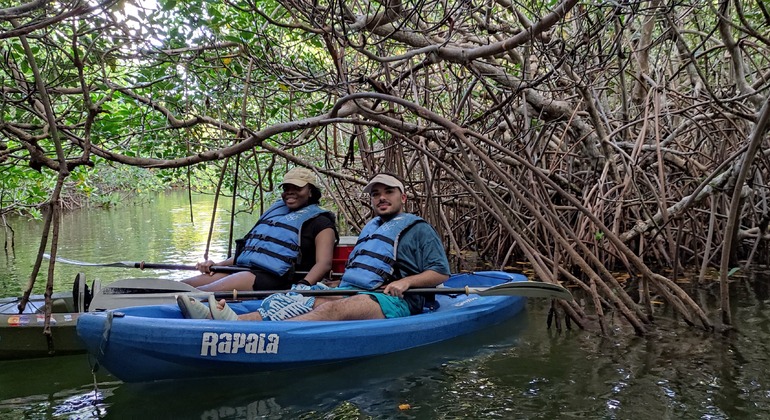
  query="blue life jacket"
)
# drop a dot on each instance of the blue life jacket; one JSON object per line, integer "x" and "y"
{"x": 373, "y": 260}
{"x": 273, "y": 243}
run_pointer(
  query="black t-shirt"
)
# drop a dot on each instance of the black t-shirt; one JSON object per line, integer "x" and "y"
{"x": 310, "y": 230}
{"x": 265, "y": 280}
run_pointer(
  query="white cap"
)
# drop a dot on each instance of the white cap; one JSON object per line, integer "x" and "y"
{"x": 384, "y": 179}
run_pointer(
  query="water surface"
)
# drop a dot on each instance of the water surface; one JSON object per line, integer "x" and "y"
{"x": 166, "y": 229}
{"x": 517, "y": 370}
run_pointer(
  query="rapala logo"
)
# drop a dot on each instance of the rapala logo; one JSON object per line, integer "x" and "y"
{"x": 213, "y": 344}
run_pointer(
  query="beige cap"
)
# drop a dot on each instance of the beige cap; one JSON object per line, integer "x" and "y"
{"x": 387, "y": 180}
{"x": 300, "y": 177}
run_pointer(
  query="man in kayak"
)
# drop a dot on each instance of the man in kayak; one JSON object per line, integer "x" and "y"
{"x": 395, "y": 251}
{"x": 295, "y": 234}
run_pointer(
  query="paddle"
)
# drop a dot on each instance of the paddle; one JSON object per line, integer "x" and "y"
{"x": 529, "y": 289}
{"x": 522, "y": 288}
{"x": 138, "y": 292}
{"x": 164, "y": 286}
{"x": 143, "y": 265}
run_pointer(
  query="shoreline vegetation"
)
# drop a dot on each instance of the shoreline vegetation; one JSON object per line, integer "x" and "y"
{"x": 584, "y": 139}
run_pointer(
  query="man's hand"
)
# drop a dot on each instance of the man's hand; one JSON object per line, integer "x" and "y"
{"x": 397, "y": 288}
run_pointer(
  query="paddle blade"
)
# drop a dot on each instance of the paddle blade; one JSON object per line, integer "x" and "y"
{"x": 536, "y": 289}
{"x": 140, "y": 292}
{"x": 126, "y": 264}
{"x": 68, "y": 261}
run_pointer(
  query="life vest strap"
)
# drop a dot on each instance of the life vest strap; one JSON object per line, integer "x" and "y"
{"x": 386, "y": 276}
{"x": 387, "y": 260}
{"x": 281, "y": 225}
{"x": 378, "y": 237}
{"x": 275, "y": 255}
{"x": 284, "y": 244}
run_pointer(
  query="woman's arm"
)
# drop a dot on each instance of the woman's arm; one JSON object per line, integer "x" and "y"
{"x": 324, "y": 251}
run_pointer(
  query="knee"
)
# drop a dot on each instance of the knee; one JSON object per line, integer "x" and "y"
{"x": 325, "y": 305}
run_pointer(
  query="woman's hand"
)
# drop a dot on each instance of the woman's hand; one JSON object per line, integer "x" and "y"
{"x": 205, "y": 267}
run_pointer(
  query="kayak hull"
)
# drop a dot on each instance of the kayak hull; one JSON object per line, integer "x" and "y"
{"x": 155, "y": 343}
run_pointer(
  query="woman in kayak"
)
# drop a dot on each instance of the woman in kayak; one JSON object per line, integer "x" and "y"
{"x": 292, "y": 243}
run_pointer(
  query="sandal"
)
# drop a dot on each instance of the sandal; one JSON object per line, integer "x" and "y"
{"x": 192, "y": 309}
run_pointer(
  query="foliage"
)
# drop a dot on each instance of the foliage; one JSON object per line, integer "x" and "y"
{"x": 581, "y": 137}
{"x": 21, "y": 189}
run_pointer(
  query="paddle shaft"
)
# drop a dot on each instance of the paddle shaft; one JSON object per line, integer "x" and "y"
{"x": 150, "y": 266}
{"x": 235, "y": 295}
{"x": 214, "y": 268}
{"x": 531, "y": 289}
{"x": 527, "y": 288}
{"x": 137, "y": 292}
{"x": 157, "y": 266}
{"x": 257, "y": 294}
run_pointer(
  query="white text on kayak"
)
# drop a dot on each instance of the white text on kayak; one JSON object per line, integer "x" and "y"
{"x": 213, "y": 344}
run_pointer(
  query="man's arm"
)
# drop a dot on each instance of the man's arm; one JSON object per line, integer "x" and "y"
{"x": 426, "y": 255}
{"x": 427, "y": 278}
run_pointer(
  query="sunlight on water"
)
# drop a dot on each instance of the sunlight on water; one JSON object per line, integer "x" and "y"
{"x": 157, "y": 232}
{"x": 87, "y": 405}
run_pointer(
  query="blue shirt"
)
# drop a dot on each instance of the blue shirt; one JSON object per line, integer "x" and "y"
{"x": 420, "y": 249}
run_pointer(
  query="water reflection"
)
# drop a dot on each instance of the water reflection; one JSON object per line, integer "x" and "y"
{"x": 160, "y": 232}
{"x": 255, "y": 410}
{"x": 60, "y": 387}
{"x": 383, "y": 386}
{"x": 86, "y": 405}
{"x": 517, "y": 370}
{"x": 372, "y": 385}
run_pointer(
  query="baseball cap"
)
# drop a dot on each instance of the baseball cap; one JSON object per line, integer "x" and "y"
{"x": 300, "y": 177}
{"x": 385, "y": 179}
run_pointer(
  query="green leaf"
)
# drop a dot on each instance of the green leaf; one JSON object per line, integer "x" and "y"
{"x": 168, "y": 4}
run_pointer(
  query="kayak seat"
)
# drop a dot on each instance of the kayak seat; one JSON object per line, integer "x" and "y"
{"x": 81, "y": 295}
{"x": 61, "y": 306}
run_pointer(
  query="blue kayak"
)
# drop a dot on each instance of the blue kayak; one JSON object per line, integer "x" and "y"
{"x": 148, "y": 343}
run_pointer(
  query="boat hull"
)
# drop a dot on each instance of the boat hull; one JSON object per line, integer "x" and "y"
{"x": 154, "y": 342}
{"x": 22, "y": 335}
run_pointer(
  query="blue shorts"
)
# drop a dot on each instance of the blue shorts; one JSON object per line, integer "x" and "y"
{"x": 391, "y": 306}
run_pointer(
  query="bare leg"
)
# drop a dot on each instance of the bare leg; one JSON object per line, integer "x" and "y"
{"x": 329, "y": 309}
{"x": 243, "y": 280}
{"x": 348, "y": 309}
{"x": 204, "y": 279}
{"x": 320, "y": 300}
{"x": 251, "y": 316}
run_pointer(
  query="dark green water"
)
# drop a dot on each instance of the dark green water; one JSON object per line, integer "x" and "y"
{"x": 518, "y": 370}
